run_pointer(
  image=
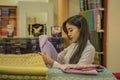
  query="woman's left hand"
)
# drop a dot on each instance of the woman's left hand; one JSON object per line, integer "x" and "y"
{"x": 47, "y": 58}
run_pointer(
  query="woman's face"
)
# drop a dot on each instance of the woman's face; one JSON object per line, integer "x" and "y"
{"x": 73, "y": 32}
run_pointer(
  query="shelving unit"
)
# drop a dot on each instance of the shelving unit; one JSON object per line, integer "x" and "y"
{"x": 8, "y": 21}
{"x": 27, "y": 45}
{"x": 95, "y": 12}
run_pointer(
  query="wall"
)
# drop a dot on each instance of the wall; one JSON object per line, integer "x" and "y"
{"x": 55, "y": 8}
{"x": 74, "y": 7}
{"x": 113, "y": 31}
{"x": 63, "y": 6}
{"x": 14, "y": 2}
{"x": 41, "y": 10}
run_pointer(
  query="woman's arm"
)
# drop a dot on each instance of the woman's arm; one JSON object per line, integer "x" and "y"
{"x": 61, "y": 56}
{"x": 48, "y": 60}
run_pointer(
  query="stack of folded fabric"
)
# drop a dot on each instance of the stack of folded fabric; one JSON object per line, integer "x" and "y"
{"x": 22, "y": 66}
{"x": 91, "y": 69}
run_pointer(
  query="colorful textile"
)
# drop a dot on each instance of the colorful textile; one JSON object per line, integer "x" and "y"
{"x": 25, "y": 45}
{"x": 91, "y": 19}
{"x": 22, "y": 77}
{"x": 22, "y": 64}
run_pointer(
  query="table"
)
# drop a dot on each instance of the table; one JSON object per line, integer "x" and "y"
{"x": 56, "y": 74}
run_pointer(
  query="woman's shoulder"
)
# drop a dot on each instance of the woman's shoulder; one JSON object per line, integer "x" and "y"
{"x": 89, "y": 49}
{"x": 89, "y": 45}
{"x": 71, "y": 45}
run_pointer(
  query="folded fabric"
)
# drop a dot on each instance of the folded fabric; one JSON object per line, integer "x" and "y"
{"x": 22, "y": 77}
{"x": 47, "y": 47}
{"x": 22, "y": 64}
{"x": 81, "y": 69}
{"x": 117, "y": 75}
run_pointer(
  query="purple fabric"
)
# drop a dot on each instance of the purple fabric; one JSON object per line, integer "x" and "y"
{"x": 47, "y": 47}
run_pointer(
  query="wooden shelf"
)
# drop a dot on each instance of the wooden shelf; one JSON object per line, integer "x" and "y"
{"x": 101, "y": 21}
{"x": 8, "y": 16}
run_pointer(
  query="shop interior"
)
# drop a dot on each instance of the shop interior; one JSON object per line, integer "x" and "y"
{"x": 22, "y": 22}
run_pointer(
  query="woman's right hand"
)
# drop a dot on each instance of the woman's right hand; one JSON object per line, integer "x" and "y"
{"x": 47, "y": 59}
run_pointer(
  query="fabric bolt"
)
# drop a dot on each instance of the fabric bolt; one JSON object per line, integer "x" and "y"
{"x": 91, "y": 19}
{"x": 22, "y": 64}
{"x": 22, "y": 77}
{"x": 47, "y": 47}
{"x": 96, "y": 13}
{"x": 85, "y": 14}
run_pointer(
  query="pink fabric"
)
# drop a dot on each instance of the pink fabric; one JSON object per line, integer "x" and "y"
{"x": 47, "y": 47}
{"x": 96, "y": 13}
{"x": 81, "y": 69}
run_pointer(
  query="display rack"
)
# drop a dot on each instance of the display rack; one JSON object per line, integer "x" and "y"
{"x": 95, "y": 12}
{"x": 27, "y": 45}
{"x": 8, "y": 21}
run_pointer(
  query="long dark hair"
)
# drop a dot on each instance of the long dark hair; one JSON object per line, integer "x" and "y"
{"x": 80, "y": 22}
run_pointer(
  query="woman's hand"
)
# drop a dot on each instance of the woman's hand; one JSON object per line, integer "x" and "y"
{"x": 47, "y": 58}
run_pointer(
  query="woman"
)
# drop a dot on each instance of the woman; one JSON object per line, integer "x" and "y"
{"x": 80, "y": 51}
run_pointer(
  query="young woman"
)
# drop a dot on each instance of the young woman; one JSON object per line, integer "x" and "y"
{"x": 80, "y": 51}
